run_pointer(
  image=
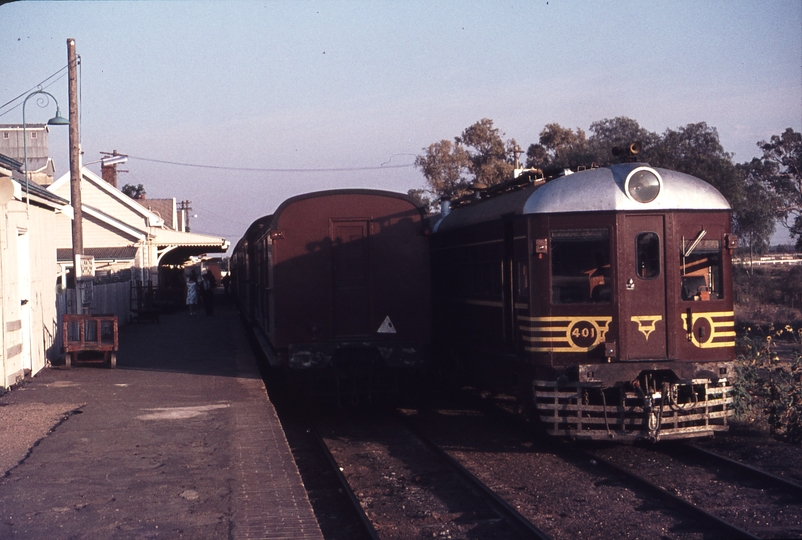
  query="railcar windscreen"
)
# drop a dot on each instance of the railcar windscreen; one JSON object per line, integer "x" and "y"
{"x": 580, "y": 266}
{"x": 701, "y": 271}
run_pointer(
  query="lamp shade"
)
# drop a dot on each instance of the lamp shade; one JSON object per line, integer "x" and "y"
{"x": 58, "y": 120}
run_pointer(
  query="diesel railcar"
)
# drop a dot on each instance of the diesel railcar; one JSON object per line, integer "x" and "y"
{"x": 602, "y": 298}
{"x": 335, "y": 285}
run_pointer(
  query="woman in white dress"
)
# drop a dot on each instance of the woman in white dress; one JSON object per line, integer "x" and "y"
{"x": 192, "y": 292}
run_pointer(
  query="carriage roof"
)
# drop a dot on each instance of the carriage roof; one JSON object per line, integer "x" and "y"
{"x": 592, "y": 190}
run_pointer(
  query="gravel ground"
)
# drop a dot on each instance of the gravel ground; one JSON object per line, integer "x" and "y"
{"x": 22, "y": 426}
{"x": 564, "y": 498}
{"x": 757, "y": 448}
{"x": 405, "y": 490}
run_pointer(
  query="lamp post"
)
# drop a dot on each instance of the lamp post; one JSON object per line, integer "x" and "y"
{"x": 57, "y": 120}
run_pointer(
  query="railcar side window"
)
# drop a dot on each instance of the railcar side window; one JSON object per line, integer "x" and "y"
{"x": 648, "y": 248}
{"x": 701, "y": 270}
{"x": 580, "y": 266}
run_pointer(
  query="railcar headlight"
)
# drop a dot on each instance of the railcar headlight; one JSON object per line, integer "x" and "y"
{"x": 643, "y": 185}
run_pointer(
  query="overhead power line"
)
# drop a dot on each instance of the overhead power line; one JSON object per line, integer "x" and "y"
{"x": 40, "y": 86}
{"x": 269, "y": 169}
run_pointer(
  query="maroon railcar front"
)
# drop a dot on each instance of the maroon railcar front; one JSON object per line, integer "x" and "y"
{"x": 602, "y": 298}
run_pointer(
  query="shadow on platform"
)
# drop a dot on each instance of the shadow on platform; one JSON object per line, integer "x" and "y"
{"x": 198, "y": 344}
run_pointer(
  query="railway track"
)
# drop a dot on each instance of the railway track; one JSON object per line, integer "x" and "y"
{"x": 731, "y": 496}
{"x": 405, "y": 485}
{"x": 367, "y": 527}
{"x": 563, "y": 493}
{"x": 408, "y": 487}
{"x": 793, "y": 488}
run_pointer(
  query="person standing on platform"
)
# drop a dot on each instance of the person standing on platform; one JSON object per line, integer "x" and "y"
{"x": 208, "y": 284}
{"x": 192, "y": 292}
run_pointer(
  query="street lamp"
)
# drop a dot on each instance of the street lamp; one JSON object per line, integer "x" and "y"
{"x": 57, "y": 120}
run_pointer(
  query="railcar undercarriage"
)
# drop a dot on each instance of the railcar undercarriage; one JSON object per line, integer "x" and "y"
{"x": 646, "y": 408}
{"x": 355, "y": 373}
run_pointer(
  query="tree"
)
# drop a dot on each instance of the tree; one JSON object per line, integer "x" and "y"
{"x": 781, "y": 174}
{"x": 479, "y": 156}
{"x": 446, "y": 167}
{"x": 754, "y": 222}
{"x": 558, "y": 147}
{"x": 422, "y": 197}
{"x": 617, "y": 132}
{"x": 695, "y": 149}
{"x": 135, "y": 192}
{"x": 488, "y": 152}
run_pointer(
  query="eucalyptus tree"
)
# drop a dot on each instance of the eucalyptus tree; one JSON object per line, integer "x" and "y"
{"x": 480, "y": 155}
{"x": 781, "y": 174}
{"x": 695, "y": 149}
{"x": 754, "y": 222}
{"x": 135, "y": 192}
{"x": 558, "y": 147}
{"x": 618, "y": 132}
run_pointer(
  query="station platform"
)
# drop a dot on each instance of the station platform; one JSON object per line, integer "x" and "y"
{"x": 179, "y": 441}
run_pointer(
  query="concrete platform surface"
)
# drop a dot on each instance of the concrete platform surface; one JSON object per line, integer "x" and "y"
{"x": 180, "y": 441}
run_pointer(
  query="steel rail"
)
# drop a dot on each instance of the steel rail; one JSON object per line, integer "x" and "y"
{"x": 561, "y": 448}
{"x": 499, "y": 505}
{"x": 678, "y": 502}
{"x": 367, "y": 525}
{"x": 748, "y": 469}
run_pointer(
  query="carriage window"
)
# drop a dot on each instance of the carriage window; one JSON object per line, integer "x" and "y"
{"x": 700, "y": 262}
{"x": 648, "y": 248}
{"x": 580, "y": 266}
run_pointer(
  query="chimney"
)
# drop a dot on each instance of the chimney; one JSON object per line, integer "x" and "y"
{"x": 108, "y": 167}
{"x": 109, "y": 173}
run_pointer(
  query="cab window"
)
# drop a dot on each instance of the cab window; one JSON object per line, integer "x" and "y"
{"x": 700, "y": 268}
{"x": 580, "y": 266}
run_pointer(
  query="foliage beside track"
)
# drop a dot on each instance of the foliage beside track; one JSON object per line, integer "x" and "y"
{"x": 768, "y": 388}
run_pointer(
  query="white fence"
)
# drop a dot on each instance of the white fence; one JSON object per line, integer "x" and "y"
{"x": 764, "y": 261}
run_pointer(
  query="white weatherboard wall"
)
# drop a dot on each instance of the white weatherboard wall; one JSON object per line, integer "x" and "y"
{"x": 27, "y": 272}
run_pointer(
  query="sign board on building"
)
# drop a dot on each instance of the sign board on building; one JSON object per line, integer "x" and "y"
{"x": 84, "y": 267}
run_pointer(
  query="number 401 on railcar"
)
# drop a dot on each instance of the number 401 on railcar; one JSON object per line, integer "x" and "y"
{"x": 602, "y": 297}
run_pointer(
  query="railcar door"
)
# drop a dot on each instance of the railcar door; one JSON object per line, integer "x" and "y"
{"x": 642, "y": 287}
{"x": 351, "y": 278}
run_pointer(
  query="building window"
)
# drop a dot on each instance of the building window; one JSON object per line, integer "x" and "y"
{"x": 34, "y": 135}
{"x": 6, "y": 134}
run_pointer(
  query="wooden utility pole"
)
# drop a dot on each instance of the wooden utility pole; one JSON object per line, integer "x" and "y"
{"x": 75, "y": 166}
{"x": 75, "y": 149}
{"x": 185, "y": 208}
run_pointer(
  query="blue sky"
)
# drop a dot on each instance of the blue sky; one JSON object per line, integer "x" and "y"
{"x": 321, "y": 86}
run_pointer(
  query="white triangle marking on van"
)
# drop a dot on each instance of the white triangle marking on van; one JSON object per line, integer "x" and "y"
{"x": 387, "y": 327}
